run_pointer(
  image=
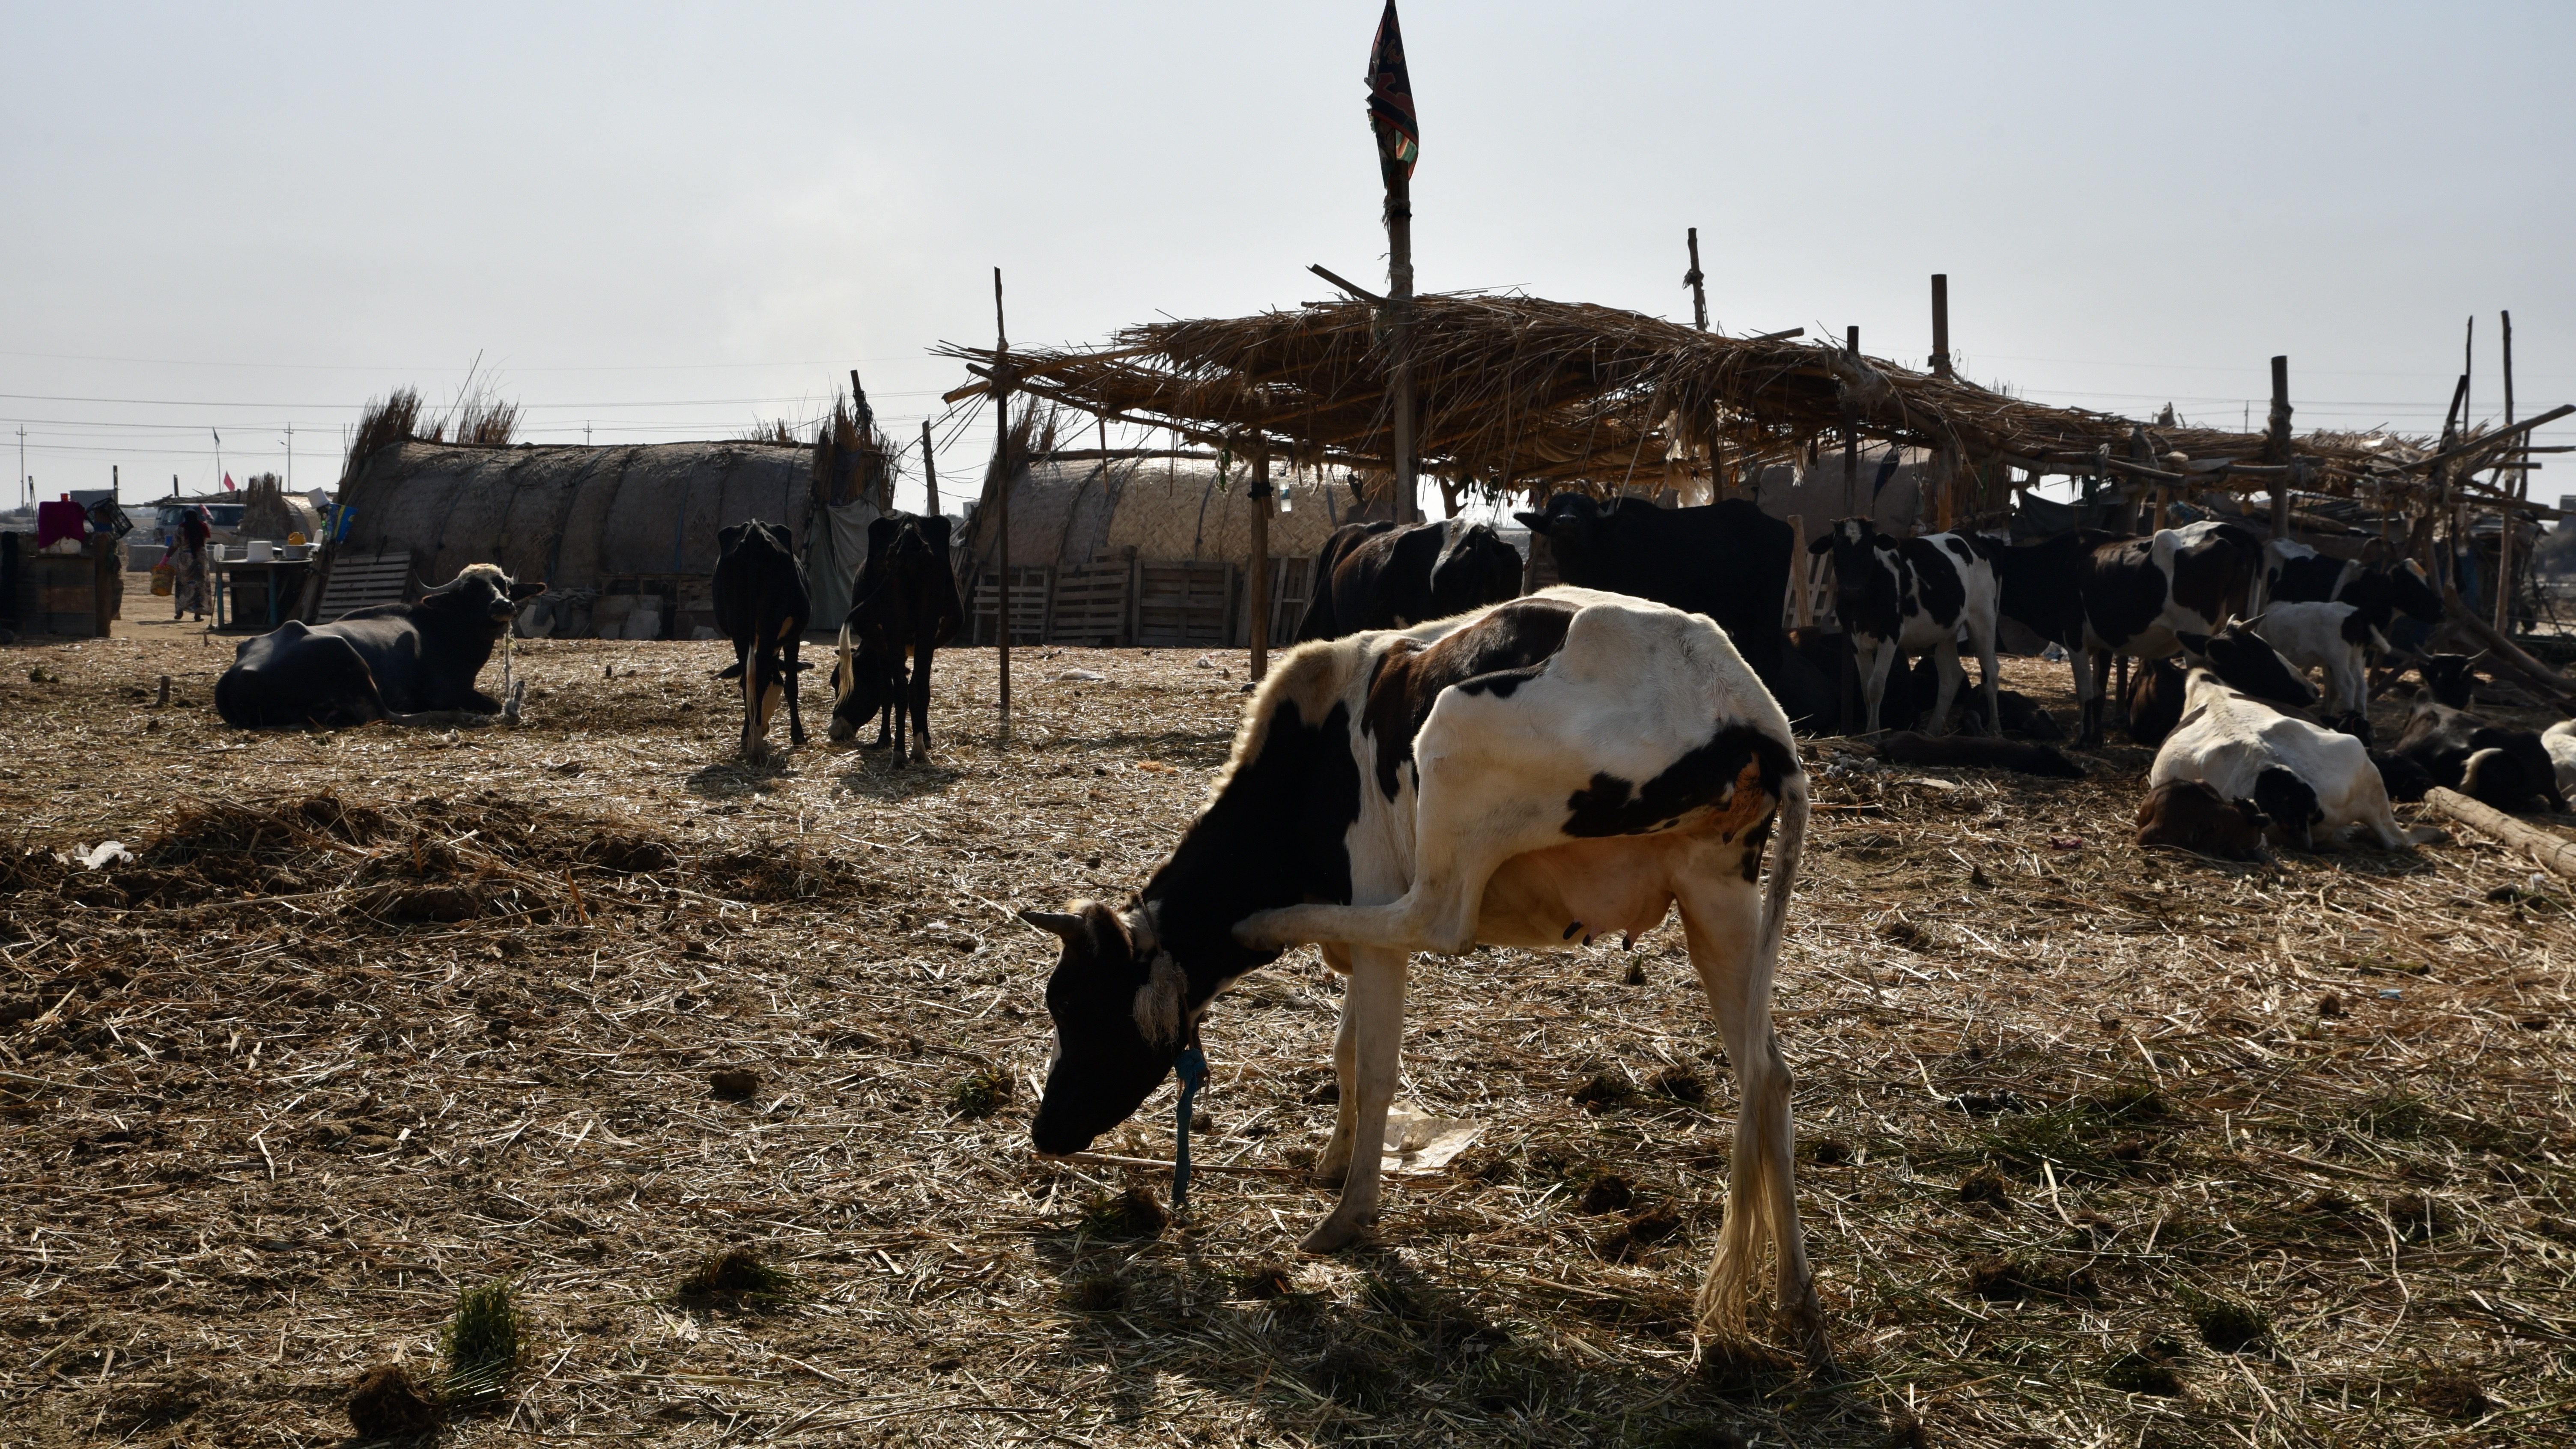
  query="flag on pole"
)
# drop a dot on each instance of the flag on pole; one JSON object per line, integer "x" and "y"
{"x": 228, "y": 482}
{"x": 219, "y": 438}
{"x": 1399, "y": 136}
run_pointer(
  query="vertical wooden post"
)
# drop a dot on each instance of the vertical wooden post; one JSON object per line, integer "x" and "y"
{"x": 1696, "y": 280}
{"x": 1802, "y": 607}
{"x": 1002, "y": 501}
{"x": 1851, "y": 448}
{"x": 1399, "y": 335}
{"x": 929, "y": 469}
{"x": 2277, "y": 444}
{"x": 1941, "y": 324}
{"x": 2505, "y": 516}
{"x": 1257, "y": 591}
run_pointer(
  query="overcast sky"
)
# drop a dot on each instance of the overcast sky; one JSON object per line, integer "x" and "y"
{"x": 660, "y": 222}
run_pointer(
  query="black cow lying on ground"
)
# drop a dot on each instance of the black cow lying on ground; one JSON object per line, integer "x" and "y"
{"x": 407, "y": 664}
{"x": 904, "y": 603}
{"x": 1379, "y": 576}
{"x": 762, "y": 604}
{"x": 2096, "y": 594}
{"x": 2501, "y": 766}
{"x": 2450, "y": 678}
{"x": 1728, "y": 560}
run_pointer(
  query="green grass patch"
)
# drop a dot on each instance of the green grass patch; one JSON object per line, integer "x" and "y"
{"x": 483, "y": 1343}
{"x": 738, "y": 1273}
{"x": 981, "y": 1094}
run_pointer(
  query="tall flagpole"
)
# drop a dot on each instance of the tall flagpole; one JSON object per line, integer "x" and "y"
{"x": 1399, "y": 144}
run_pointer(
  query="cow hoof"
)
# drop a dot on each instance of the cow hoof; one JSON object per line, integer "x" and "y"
{"x": 1334, "y": 1234}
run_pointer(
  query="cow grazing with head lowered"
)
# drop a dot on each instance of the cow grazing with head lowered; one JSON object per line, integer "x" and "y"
{"x": 2305, "y": 778}
{"x": 1379, "y": 576}
{"x": 1912, "y": 596}
{"x": 1559, "y": 767}
{"x": 762, "y": 604}
{"x": 2334, "y": 637}
{"x": 2097, "y": 595}
{"x": 904, "y": 604}
{"x": 410, "y": 664}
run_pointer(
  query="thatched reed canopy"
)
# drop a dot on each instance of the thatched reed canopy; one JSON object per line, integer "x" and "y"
{"x": 1519, "y": 392}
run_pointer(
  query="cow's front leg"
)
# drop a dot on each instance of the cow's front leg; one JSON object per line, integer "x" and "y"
{"x": 1882, "y": 661}
{"x": 795, "y": 717}
{"x": 920, "y": 698}
{"x": 1373, "y": 1023}
{"x": 1945, "y": 658}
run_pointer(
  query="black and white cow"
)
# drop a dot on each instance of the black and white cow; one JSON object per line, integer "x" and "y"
{"x": 1728, "y": 560}
{"x": 2334, "y": 637}
{"x": 903, "y": 605}
{"x": 1379, "y": 576}
{"x": 2098, "y": 594}
{"x": 1913, "y": 596}
{"x": 2294, "y": 573}
{"x": 2306, "y": 778}
{"x": 762, "y": 604}
{"x": 407, "y": 664}
{"x": 2498, "y": 764}
{"x": 1563, "y": 766}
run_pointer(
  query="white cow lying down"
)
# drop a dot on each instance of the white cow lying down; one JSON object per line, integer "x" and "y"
{"x": 2305, "y": 777}
{"x": 1566, "y": 765}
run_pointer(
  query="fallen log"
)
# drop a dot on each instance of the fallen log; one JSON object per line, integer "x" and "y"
{"x": 2553, "y": 851}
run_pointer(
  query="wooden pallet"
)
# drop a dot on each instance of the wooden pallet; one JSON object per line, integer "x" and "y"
{"x": 1182, "y": 605}
{"x": 357, "y": 581}
{"x": 1292, "y": 580}
{"x": 1090, "y": 609}
{"x": 1032, "y": 588}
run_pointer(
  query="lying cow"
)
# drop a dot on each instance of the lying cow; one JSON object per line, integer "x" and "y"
{"x": 1912, "y": 596}
{"x": 1561, "y": 766}
{"x": 406, "y": 664}
{"x": 2096, "y": 595}
{"x": 762, "y": 604}
{"x": 2333, "y": 637}
{"x": 2447, "y": 742}
{"x": 1380, "y": 576}
{"x": 2240, "y": 659}
{"x": 2450, "y": 678}
{"x": 2191, "y": 815}
{"x": 2306, "y": 778}
{"x": 903, "y": 606}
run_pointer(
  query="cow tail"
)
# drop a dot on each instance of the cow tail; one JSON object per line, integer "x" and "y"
{"x": 849, "y": 679}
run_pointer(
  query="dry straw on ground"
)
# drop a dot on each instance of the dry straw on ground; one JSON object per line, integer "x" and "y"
{"x": 2098, "y": 1147}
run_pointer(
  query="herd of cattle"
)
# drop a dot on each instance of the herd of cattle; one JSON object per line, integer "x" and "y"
{"x": 1443, "y": 761}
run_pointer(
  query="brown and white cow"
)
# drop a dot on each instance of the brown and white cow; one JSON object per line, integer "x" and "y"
{"x": 1556, "y": 767}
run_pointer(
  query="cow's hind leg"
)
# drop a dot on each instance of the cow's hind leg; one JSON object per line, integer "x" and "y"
{"x": 920, "y": 700}
{"x": 1372, "y": 1038}
{"x": 1721, "y": 918}
{"x": 1989, "y": 684}
{"x": 795, "y": 716}
{"x": 1945, "y": 659}
{"x": 1873, "y": 687}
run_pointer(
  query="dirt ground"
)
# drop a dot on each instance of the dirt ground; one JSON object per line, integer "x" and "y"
{"x": 2098, "y": 1147}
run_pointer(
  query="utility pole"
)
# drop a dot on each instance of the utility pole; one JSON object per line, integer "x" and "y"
{"x": 1941, "y": 324}
{"x": 2507, "y": 517}
{"x": 1851, "y": 446}
{"x": 25, "y": 483}
{"x": 929, "y": 471}
{"x": 1002, "y": 501}
{"x": 290, "y": 457}
{"x": 1399, "y": 144}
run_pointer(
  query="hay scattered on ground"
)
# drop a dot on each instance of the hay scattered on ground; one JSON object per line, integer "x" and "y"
{"x": 2277, "y": 1156}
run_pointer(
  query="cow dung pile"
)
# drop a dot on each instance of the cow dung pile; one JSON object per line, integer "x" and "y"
{"x": 352, "y": 1024}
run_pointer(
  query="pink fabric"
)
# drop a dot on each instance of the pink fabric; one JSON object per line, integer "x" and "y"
{"x": 64, "y": 519}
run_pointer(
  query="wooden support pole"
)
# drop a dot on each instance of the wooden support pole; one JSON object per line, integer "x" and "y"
{"x": 1696, "y": 280}
{"x": 2554, "y": 852}
{"x": 1802, "y": 608}
{"x": 1941, "y": 324}
{"x": 1851, "y": 446}
{"x": 2277, "y": 446}
{"x": 1002, "y": 502}
{"x": 2506, "y": 519}
{"x": 929, "y": 469}
{"x": 1399, "y": 335}
{"x": 1257, "y": 591}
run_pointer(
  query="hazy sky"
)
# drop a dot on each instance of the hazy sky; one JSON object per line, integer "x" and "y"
{"x": 663, "y": 222}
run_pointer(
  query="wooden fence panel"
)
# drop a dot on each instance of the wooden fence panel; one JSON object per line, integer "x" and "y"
{"x": 1090, "y": 608}
{"x": 1182, "y": 605}
{"x": 1032, "y": 588}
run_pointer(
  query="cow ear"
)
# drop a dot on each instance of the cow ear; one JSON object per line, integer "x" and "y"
{"x": 733, "y": 673}
{"x": 521, "y": 593}
{"x": 1534, "y": 522}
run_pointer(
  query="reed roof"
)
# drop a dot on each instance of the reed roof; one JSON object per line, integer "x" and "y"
{"x": 1515, "y": 391}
